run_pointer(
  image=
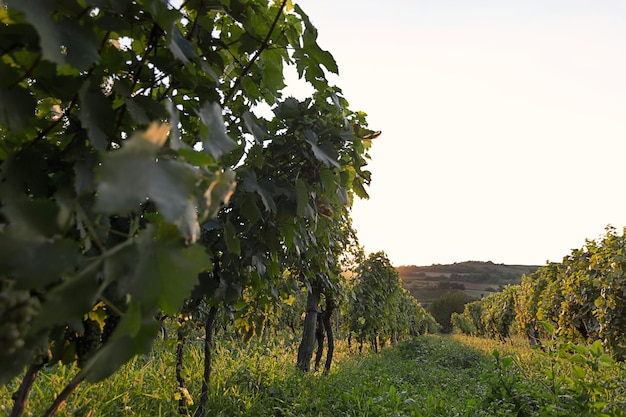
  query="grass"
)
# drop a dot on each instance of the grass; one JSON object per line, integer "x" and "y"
{"x": 424, "y": 376}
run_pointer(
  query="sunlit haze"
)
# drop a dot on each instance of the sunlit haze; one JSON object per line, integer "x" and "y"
{"x": 504, "y": 123}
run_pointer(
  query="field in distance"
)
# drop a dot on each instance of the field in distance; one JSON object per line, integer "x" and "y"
{"x": 475, "y": 278}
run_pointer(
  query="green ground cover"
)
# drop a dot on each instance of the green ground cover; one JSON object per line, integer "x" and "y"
{"x": 424, "y": 376}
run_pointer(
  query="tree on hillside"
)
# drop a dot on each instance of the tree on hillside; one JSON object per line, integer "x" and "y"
{"x": 445, "y": 305}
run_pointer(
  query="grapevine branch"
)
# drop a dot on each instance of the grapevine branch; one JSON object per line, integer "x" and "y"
{"x": 21, "y": 395}
{"x": 256, "y": 55}
{"x": 195, "y": 21}
{"x": 27, "y": 73}
{"x": 63, "y": 396}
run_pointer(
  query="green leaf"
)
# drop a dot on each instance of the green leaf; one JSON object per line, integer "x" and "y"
{"x": 302, "y": 196}
{"x": 36, "y": 217}
{"x": 175, "y": 141}
{"x": 289, "y": 233}
{"x": 250, "y": 184}
{"x": 136, "y": 111}
{"x": 359, "y": 190}
{"x": 133, "y": 174}
{"x": 321, "y": 154}
{"x": 17, "y": 34}
{"x": 35, "y": 262}
{"x": 165, "y": 16}
{"x": 81, "y": 288}
{"x": 232, "y": 241}
{"x": 17, "y": 107}
{"x": 62, "y": 41}
{"x": 323, "y": 57}
{"x": 343, "y": 196}
{"x": 180, "y": 47}
{"x": 214, "y": 140}
{"x": 199, "y": 159}
{"x": 271, "y": 63}
{"x": 120, "y": 265}
{"x": 250, "y": 209}
{"x": 8, "y": 74}
{"x": 548, "y": 327}
{"x": 596, "y": 349}
{"x": 96, "y": 116}
{"x": 165, "y": 271}
{"x": 250, "y": 122}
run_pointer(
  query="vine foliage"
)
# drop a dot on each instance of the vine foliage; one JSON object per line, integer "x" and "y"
{"x": 134, "y": 172}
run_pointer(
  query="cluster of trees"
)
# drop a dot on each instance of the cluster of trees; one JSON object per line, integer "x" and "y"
{"x": 470, "y": 271}
{"x": 450, "y": 285}
{"x": 137, "y": 182}
{"x": 583, "y": 298}
{"x": 446, "y": 305}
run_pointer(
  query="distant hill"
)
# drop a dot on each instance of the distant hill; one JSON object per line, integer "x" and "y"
{"x": 472, "y": 277}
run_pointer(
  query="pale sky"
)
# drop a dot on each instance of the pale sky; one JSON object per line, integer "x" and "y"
{"x": 504, "y": 123}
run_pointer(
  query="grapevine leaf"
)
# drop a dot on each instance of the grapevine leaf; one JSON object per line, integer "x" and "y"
{"x": 271, "y": 62}
{"x": 63, "y": 41}
{"x": 250, "y": 184}
{"x": 136, "y": 111}
{"x": 359, "y": 190}
{"x": 214, "y": 140}
{"x": 133, "y": 174}
{"x": 288, "y": 232}
{"x": 96, "y": 116}
{"x": 38, "y": 217}
{"x": 323, "y": 57}
{"x": 250, "y": 209}
{"x": 82, "y": 288}
{"x": 343, "y": 196}
{"x": 16, "y": 34}
{"x": 194, "y": 157}
{"x": 322, "y": 153}
{"x": 180, "y": 47}
{"x": 171, "y": 187}
{"x": 8, "y": 75}
{"x": 121, "y": 265}
{"x": 83, "y": 173}
{"x": 152, "y": 108}
{"x": 232, "y": 241}
{"x": 165, "y": 16}
{"x": 258, "y": 133}
{"x": 33, "y": 261}
{"x": 17, "y": 106}
{"x": 165, "y": 272}
{"x": 302, "y": 196}
{"x": 175, "y": 141}
{"x": 125, "y": 176}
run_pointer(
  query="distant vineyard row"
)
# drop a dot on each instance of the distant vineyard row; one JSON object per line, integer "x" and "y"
{"x": 583, "y": 298}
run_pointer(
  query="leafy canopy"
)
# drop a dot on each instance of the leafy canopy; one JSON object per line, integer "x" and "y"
{"x": 131, "y": 163}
